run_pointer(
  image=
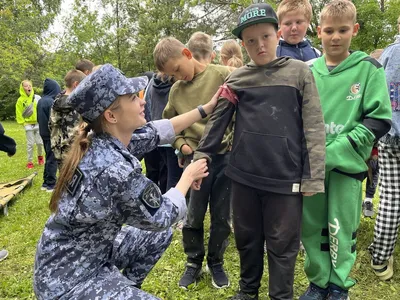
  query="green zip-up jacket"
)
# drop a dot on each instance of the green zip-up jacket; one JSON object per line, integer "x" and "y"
{"x": 356, "y": 108}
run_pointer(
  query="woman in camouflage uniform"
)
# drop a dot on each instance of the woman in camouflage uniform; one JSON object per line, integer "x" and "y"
{"x": 84, "y": 244}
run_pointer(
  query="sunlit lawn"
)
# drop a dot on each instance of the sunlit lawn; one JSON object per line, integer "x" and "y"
{"x": 21, "y": 229}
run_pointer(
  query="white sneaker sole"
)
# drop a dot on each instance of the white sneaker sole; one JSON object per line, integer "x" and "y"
{"x": 213, "y": 282}
{"x": 388, "y": 273}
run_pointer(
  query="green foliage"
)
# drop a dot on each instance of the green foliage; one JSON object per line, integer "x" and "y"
{"x": 124, "y": 33}
{"x": 21, "y": 230}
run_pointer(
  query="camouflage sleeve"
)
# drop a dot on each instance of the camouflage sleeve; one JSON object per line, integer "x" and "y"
{"x": 140, "y": 203}
{"x": 54, "y": 121}
{"x": 215, "y": 129}
{"x": 148, "y": 137}
{"x": 314, "y": 138}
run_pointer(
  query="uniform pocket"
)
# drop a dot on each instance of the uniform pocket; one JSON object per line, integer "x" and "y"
{"x": 264, "y": 155}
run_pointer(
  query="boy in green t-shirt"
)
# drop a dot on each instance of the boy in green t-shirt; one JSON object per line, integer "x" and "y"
{"x": 196, "y": 83}
{"x": 357, "y": 112}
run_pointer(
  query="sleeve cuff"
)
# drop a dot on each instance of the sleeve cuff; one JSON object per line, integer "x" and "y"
{"x": 179, "y": 142}
{"x": 165, "y": 131}
{"x": 200, "y": 155}
{"x": 313, "y": 186}
{"x": 178, "y": 199}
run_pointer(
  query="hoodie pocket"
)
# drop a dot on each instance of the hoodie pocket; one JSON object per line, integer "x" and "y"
{"x": 264, "y": 155}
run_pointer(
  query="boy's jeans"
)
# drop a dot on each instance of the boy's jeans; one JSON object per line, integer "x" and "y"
{"x": 215, "y": 189}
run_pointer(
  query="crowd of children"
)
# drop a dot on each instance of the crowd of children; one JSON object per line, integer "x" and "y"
{"x": 284, "y": 142}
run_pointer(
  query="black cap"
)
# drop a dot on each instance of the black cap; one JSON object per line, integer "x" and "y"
{"x": 254, "y": 14}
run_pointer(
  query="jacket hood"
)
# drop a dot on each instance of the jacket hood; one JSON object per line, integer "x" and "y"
{"x": 61, "y": 104}
{"x": 23, "y": 94}
{"x": 353, "y": 59}
{"x": 162, "y": 87}
{"x": 51, "y": 88}
{"x": 276, "y": 63}
{"x": 304, "y": 43}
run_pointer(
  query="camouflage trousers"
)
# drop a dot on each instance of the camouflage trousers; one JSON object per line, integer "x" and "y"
{"x": 135, "y": 252}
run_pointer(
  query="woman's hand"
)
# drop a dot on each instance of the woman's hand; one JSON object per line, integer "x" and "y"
{"x": 209, "y": 107}
{"x": 196, "y": 170}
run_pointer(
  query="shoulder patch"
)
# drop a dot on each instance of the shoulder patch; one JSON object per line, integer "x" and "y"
{"x": 373, "y": 61}
{"x": 151, "y": 197}
{"x": 75, "y": 181}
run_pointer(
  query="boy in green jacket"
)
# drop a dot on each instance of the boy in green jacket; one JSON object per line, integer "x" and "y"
{"x": 357, "y": 112}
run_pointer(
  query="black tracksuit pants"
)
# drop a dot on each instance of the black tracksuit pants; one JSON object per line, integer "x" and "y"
{"x": 215, "y": 190}
{"x": 260, "y": 216}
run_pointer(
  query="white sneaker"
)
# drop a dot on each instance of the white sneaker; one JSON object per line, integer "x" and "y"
{"x": 3, "y": 254}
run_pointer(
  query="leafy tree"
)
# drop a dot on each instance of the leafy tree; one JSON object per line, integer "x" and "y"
{"x": 22, "y": 24}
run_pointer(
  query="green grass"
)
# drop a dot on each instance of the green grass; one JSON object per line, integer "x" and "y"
{"x": 21, "y": 229}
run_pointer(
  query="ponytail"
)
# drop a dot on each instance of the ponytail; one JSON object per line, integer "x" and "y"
{"x": 231, "y": 54}
{"x": 80, "y": 145}
{"x": 235, "y": 61}
{"x": 78, "y": 149}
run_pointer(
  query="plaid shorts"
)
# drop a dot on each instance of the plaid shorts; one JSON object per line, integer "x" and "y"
{"x": 388, "y": 219}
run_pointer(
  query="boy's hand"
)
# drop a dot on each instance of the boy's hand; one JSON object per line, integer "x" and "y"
{"x": 181, "y": 162}
{"x": 209, "y": 107}
{"x": 196, "y": 185}
{"x": 307, "y": 194}
{"x": 186, "y": 150}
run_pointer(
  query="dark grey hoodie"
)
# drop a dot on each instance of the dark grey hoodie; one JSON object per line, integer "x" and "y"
{"x": 157, "y": 97}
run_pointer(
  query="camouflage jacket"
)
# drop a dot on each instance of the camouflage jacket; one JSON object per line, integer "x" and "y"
{"x": 107, "y": 191}
{"x": 62, "y": 124}
{"x": 279, "y": 133}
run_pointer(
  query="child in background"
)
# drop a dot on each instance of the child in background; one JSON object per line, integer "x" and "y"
{"x": 294, "y": 19}
{"x": 156, "y": 96}
{"x": 50, "y": 90}
{"x": 26, "y": 115}
{"x": 357, "y": 112}
{"x": 85, "y": 66}
{"x": 388, "y": 219}
{"x": 231, "y": 54}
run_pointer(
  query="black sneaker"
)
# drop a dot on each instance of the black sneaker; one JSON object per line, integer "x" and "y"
{"x": 189, "y": 278}
{"x": 337, "y": 293}
{"x": 368, "y": 209}
{"x": 244, "y": 296}
{"x": 218, "y": 275}
{"x": 314, "y": 292}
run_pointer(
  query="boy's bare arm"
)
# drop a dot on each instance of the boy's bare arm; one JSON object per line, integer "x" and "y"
{"x": 314, "y": 134}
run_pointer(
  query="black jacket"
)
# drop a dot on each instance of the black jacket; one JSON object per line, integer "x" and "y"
{"x": 50, "y": 90}
{"x": 279, "y": 135}
{"x": 157, "y": 97}
{"x": 7, "y": 144}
